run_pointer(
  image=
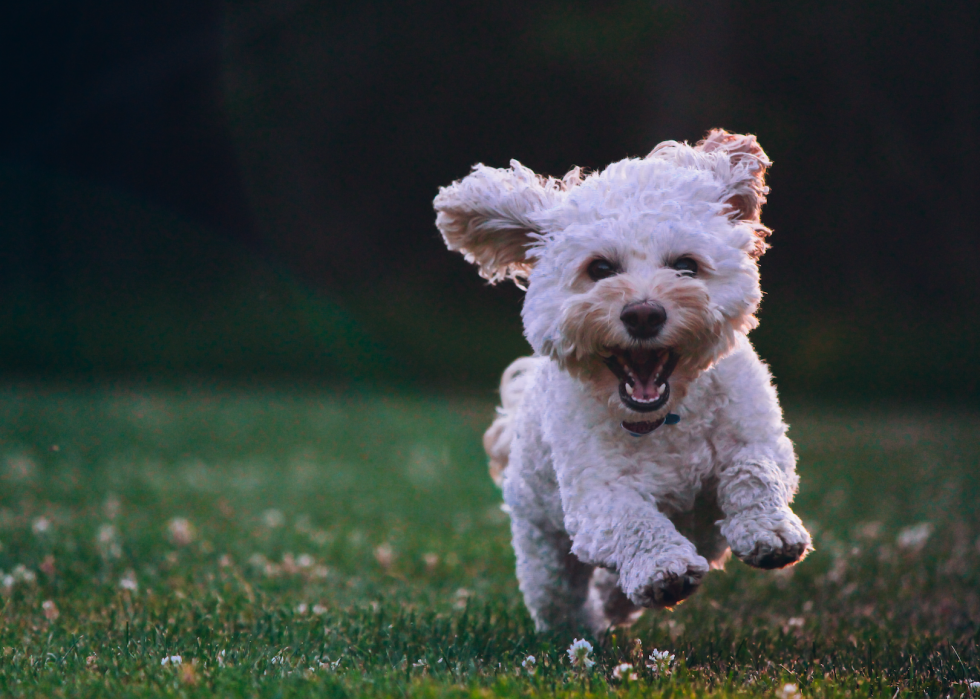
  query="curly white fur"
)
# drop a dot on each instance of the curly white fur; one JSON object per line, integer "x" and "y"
{"x": 605, "y": 523}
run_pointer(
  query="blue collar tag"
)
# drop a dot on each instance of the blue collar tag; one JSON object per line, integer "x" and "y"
{"x": 672, "y": 419}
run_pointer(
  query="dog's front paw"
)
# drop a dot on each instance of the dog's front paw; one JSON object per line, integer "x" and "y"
{"x": 666, "y": 583}
{"x": 767, "y": 540}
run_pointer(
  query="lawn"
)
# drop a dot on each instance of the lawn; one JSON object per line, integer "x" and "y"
{"x": 288, "y": 542}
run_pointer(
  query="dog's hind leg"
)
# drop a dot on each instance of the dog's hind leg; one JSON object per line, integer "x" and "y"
{"x": 499, "y": 436}
{"x": 555, "y": 584}
{"x": 608, "y": 605}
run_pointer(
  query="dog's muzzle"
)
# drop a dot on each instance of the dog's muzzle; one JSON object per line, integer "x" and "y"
{"x": 643, "y": 377}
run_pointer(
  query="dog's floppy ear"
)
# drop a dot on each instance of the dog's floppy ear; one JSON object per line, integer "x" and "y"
{"x": 488, "y": 216}
{"x": 746, "y": 189}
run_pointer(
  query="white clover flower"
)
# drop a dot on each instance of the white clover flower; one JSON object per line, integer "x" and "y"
{"x": 660, "y": 661}
{"x": 172, "y": 660}
{"x": 221, "y": 658}
{"x": 914, "y": 538}
{"x": 128, "y": 581}
{"x": 974, "y": 688}
{"x": 24, "y": 574}
{"x": 384, "y": 555}
{"x": 462, "y": 594}
{"x": 50, "y": 610}
{"x": 624, "y": 673}
{"x": 107, "y": 542}
{"x": 41, "y": 525}
{"x": 325, "y": 663}
{"x": 319, "y": 609}
{"x": 302, "y": 608}
{"x": 273, "y": 519}
{"x": 789, "y": 691}
{"x": 529, "y": 664}
{"x": 578, "y": 654}
{"x": 181, "y": 531}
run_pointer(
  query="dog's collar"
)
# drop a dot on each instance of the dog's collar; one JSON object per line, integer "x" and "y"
{"x": 641, "y": 429}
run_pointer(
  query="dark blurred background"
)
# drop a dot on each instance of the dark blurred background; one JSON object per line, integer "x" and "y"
{"x": 243, "y": 189}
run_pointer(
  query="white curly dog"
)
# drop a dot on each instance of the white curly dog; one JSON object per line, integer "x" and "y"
{"x": 644, "y": 438}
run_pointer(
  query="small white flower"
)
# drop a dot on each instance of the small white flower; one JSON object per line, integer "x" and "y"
{"x": 172, "y": 660}
{"x": 462, "y": 594}
{"x": 974, "y": 688}
{"x": 107, "y": 534}
{"x": 221, "y": 658}
{"x": 789, "y": 691}
{"x": 24, "y": 574}
{"x": 128, "y": 581}
{"x": 181, "y": 531}
{"x": 660, "y": 661}
{"x": 914, "y": 538}
{"x": 319, "y": 609}
{"x": 384, "y": 555}
{"x": 420, "y": 663}
{"x": 301, "y": 608}
{"x": 578, "y": 654}
{"x": 529, "y": 664}
{"x": 624, "y": 673}
{"x": 305, "y": 560}
{"x": 50, "y": 610}
{"x": 7, "y": 581}
{"x": 41, "y": 525}
{"x": 273, "y": 519}
{"x": 325, "y": 663}
{"x": 107, "y": 542}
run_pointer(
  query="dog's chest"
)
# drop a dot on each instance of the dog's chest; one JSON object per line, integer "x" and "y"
{"x": 670, "y": 464}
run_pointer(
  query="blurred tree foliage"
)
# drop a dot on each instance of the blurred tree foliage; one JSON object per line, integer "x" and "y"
{"x": 300, "y": 143}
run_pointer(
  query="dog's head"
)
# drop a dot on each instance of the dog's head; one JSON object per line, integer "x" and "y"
{"x": 639, "y": 277}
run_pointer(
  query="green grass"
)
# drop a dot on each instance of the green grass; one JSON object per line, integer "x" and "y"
{"x": 360, "y": 536}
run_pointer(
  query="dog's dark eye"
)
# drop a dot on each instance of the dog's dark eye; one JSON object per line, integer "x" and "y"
{"x": 601, "y": 269}
{"x": 686, "y": 266}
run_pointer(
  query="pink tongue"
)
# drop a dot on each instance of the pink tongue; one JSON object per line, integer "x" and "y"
{"x": 646, "y": 368}
{"x": 645, "y": 390}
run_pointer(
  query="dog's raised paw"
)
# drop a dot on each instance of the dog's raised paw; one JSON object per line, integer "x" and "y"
{"x": 669, "y": 589}
{"x": 776, "y": 540}
{"x": 674, "y": 589}
{"x": 769, "y": 558}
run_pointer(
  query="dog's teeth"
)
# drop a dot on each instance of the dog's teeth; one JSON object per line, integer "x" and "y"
{"x": 629, "y": 389}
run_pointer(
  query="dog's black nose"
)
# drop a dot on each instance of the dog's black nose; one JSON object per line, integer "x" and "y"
{"x": 643, "y": 320}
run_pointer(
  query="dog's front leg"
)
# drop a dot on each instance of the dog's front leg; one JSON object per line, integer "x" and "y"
{"x": 754, "y": 493}
{"x": 616, "y": 527}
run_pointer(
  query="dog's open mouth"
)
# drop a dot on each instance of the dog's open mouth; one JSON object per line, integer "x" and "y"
{"x": 643, "y": 375}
